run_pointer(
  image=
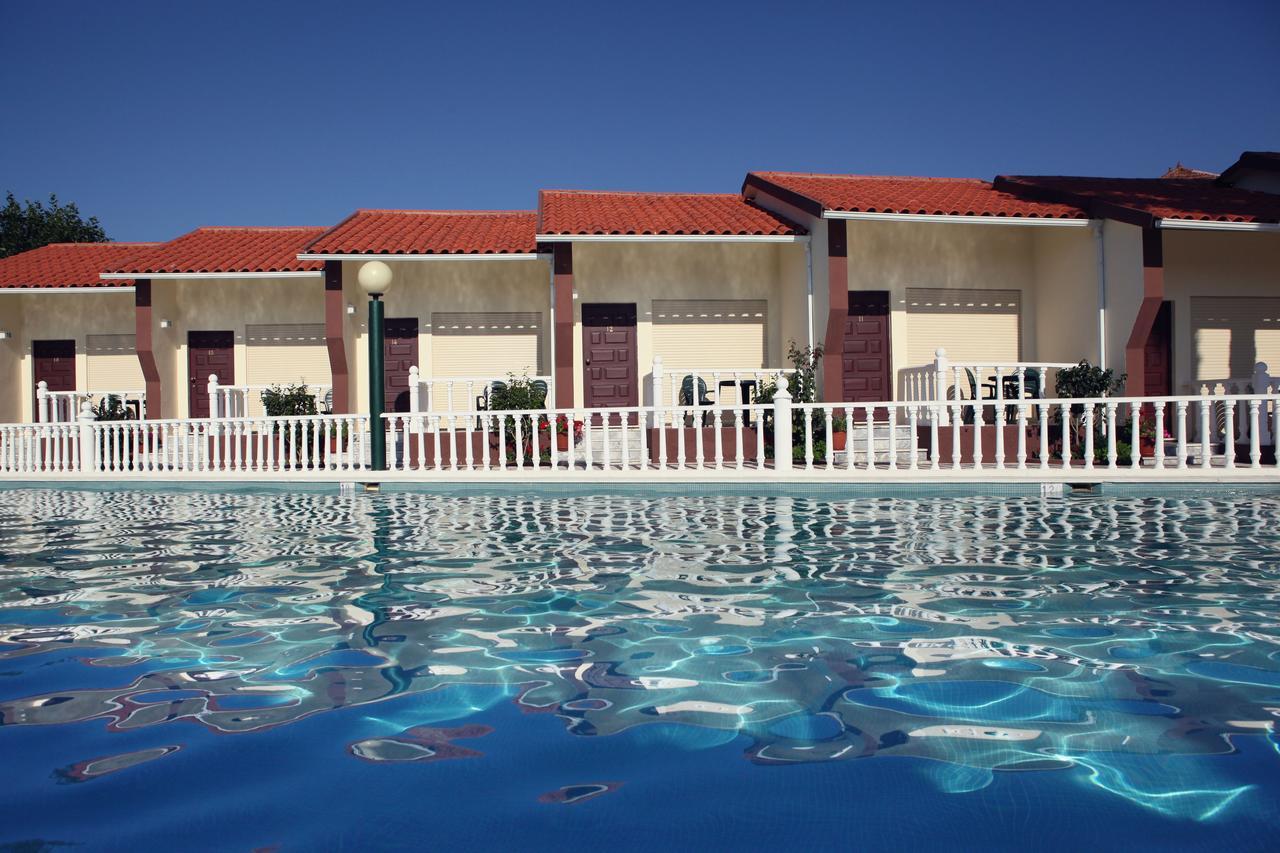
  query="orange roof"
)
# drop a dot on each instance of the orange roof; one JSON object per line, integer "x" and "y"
{"x": 1181, "y": 171}
{"x": 225, "y": 250}
{"x": 581, "y": 212}
{"x": 67, "y": 265}
{"x": 1162, "y": 198}
{"x": 430, "y": 232}
{"x": 903, "y": 195}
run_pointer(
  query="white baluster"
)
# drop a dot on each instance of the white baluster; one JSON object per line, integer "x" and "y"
{"x": 1022, "y": 435}
{"x": 1230, "y": 432}
{"x": 1111, "y": 435}
{"x": 1182, "y": 433}
{"x": 913, "y": 414}
{"x": 719, "y": 444}
{"x": 1255, "y": 435}
{"x": 1135, "y": 436}
{"x": 956, "y": 451}
{"x": 1066, "y": 435}
{"x": 1206, "y": 434}
{"x": 1088, "y": 435}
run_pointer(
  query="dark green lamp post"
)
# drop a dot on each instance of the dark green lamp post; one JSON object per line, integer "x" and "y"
{"x": 375, "y": 278}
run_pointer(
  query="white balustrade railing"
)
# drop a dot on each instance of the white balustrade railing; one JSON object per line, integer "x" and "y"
{"x": 1261, "y": 382}
{"x": 725, "y": 386}
{"x": 457, "y": 393}
{"x": 56, "y": 407}
{"x": 966, "y": 380}
{"x": 1054, "y": 439}
{"x": 239, "y": 401}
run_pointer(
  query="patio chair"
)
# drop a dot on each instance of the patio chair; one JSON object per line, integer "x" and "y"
{"x": 686, "y": 395}
{"x": 540, "y": 385}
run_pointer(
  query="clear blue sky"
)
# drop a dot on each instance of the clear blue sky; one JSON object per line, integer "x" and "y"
{"x": 158, "y": 117}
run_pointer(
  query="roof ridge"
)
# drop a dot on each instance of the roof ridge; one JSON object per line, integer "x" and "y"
{"x": 104, "y": 243}
{"x": 868, "y": 177}
{"x": 447, "y": 212}
{"x": 251, "y": 228}
{"x": 644, "y": 192}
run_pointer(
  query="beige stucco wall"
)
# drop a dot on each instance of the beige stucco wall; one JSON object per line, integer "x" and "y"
{"x": 1066, "y": 289}
{"x": 53, "y": 316}
{"x": 641, "y": 272}
{"x": 222, "y": 305}
{"x": 420, "y": 288}
{"x": 1204, "y": 263}
{"x": 1123, "y": 249}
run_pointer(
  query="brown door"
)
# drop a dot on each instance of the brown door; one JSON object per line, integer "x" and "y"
{"x": 399, "y": 353}
{"x": 1158, "y": 355}
{"x": 55, "y": 365}
{"x": 609, "y": 355}
{"x": 864, "y": 355}
{"x": 208, "y": 352}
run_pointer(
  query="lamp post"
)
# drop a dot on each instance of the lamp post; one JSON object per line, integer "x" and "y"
{"x": 375, "y": 279}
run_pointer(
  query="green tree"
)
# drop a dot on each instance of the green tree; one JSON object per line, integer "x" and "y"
{"x": 35, "y": 225}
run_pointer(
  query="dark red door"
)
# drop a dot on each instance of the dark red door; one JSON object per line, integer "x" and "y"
{"x": 399, "y": 353}
{"x": 1158, "y": 355}
{"x": 864, "y": 355}
{"x": 609, "y": 355}
{"x": 208, "y": 353}
{"x": 55, "y": 365}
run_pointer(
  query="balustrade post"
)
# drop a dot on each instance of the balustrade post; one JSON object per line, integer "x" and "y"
{"x": 781, "y": 429}
{"x": 656, "y": 379}
{"x": 212, "y": 388}
{"x": 88, "y": 447}
{"x": 940, "y": 370}
{"x": 42, "y": 401}
{"x": 413, "y": 389}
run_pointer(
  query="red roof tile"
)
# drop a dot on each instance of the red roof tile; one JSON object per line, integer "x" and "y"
{"x": 226, "y": 250}
{"x": 575, "y": 212}
{"x": 1163, "y": 198}
{"x": 1181, "y": 171}
{"x": 430, "y": 232}
{"x": 67, "y": 265}
{"x": 919, "y": 196}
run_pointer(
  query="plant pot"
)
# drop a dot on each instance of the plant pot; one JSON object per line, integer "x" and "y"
{"x": 838, "y": 440}
{"x": 562, "y": 442}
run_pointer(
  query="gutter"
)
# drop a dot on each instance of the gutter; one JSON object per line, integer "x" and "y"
{"x": 958, "y": 219}
{"x": 185, "y": 276}
{"x": 1213, "y": 225}
{"x": 395, "y": 256}
{"x": 672, "y": 238}
{"x": 102, "y": 289}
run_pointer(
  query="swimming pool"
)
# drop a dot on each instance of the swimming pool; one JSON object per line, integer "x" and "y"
{"x": 519, "y": 671}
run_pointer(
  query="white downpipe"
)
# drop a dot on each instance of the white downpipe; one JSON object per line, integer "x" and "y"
{"x": 808, "y": 263}
{"x": 551, "y": 279}
{"x": 1101, "y": 244}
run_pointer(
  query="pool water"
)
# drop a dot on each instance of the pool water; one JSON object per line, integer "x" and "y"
{"x": 514, "y": 671}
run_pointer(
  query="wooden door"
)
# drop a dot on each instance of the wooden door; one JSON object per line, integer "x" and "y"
{"x": 399, "y": 353}
{"x": 1158, "y": 355}
{"x": 208, "y": 353}
{"x": 55, "y": 365}
{"x": 864, "y": 354}
{"x": 609, "y": 355}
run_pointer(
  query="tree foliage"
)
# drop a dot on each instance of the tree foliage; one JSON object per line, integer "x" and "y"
{"x": 35, "y": 224}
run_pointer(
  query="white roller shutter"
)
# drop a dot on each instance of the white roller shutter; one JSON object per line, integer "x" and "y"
{"x": 710, "y": 334}
{"x": 285, "y": 354}
{"x": 480, "y": 345}
{"x": 1231, "y": 334}
{"x": 982, "y": 326}
{"x": 113, "y": 363}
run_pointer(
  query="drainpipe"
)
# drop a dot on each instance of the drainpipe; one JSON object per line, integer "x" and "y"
{"x": 551, "y": 283}
{"x": 808, "y": 262}
{"x": 1101, "y": 246}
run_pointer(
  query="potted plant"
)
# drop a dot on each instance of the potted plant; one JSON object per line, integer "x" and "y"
{"x": 282, "y": 401}
{"x": 1085, "y": 381}
{"x": 562, "y": 432}
{"x": 839, "y": 432}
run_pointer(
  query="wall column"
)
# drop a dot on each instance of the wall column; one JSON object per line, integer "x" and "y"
{"x": 334, "y": 320}
{"x": 837, "y": 311}
{"x": 144, "y": 347}
{"x": 562, "y": 272}
{"x": 1135, "y": 351}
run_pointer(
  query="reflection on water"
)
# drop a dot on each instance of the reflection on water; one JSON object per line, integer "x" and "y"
{"x": 989, "y": 634}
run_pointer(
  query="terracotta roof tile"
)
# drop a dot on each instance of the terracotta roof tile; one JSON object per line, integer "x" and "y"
{"x": 920, "y": 196}
{"x": 226, "y": 250}
{"x": 430, "y": 232}
{"x": 67, "y": 265}
{"x": 1181, "y": 171}
{"x": 575, "y": 212}
{"x": 1163, "y": 198}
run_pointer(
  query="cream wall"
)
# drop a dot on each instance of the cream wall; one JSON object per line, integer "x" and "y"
{"x": 640, "y": 272}
{"x": 1123, "y": 248}
{"x": 1208, "y": 263}
{"x": 216, "y": 305}
{"x": 421, "y": 287}
{"x": 1066, "y": 288}
{"x": 53, "y": 316}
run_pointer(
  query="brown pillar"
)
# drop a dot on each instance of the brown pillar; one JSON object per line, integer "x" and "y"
{"x": 335, "y": 342}
{"x": 837, "y": 311}
{"x": 144, "y": 347}
{"x": 562, "y": 269}
{"x": 1152, "y": 295}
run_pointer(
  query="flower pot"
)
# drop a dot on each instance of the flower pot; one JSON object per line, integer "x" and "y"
{"x": 838, "y": 439}
{"x": 562, "y": 442}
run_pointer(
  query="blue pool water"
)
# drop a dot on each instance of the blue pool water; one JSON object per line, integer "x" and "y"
{"x": 507, "y": 671}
